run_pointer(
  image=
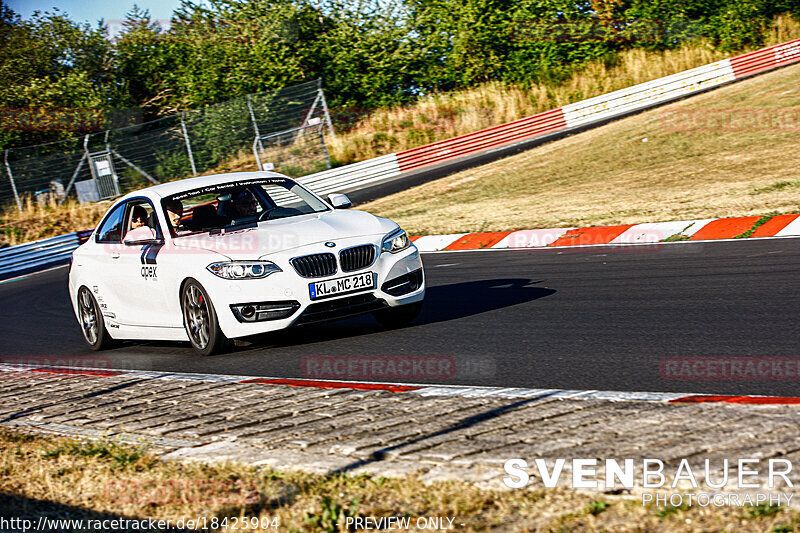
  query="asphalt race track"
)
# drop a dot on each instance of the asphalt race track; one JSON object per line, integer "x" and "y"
{"x": 602, "y": 318}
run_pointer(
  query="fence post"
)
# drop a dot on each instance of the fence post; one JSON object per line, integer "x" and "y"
{"x": 255, "y": 124}
{"x": 327, "y": 115}
{"x": 11, "y": 179}
{"x": 311, "y": 109}
{"x": 74, "y": 176}
{"x": 134, "y": 167}
{"x": 111, "y": 160}
{"x": 188, "y": 144}
{"x": 324, "y": 147}
{"x": 257, "y": 155}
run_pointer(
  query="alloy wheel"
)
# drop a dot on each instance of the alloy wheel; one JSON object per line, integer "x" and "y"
{"x": 88, "y": 314}
{"x": 196, "y": 315}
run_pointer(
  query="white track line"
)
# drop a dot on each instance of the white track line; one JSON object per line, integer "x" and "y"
{"x": 422, "y": 389}
{"x": 25, "y": 276}
{"x": 606, "y": 245}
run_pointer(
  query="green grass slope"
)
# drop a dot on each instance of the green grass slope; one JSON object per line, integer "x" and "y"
{"x": 729, "y": 152}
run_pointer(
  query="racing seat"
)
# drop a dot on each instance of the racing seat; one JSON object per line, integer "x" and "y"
{"x": 151, "y": 221}
{"x": 203, "y": 216}
{"x": 225, "y": 206}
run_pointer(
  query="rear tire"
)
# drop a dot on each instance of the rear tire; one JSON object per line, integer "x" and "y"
{"x": 92, "y": 323}
{"x": 397, "y": 317}
{"x": 200, "y": 320}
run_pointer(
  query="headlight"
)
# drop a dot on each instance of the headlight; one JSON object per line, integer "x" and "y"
{"x": 243, "y": 269}
{"x": 396, "y": 241}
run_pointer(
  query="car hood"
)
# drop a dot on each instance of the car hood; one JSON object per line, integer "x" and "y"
{"x": 282, "y": 235}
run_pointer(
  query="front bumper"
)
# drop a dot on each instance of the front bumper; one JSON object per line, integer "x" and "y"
{"x": 288, "y": 291}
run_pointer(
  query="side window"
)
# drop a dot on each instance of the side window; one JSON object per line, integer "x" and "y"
{"x": 111, "y": 229}
{"x": 141, "y": 213}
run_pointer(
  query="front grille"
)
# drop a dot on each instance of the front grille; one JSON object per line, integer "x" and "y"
{"x": 357, "y": 257}
{"x": 315, "y": 266}
{"x": 340, "y": 308}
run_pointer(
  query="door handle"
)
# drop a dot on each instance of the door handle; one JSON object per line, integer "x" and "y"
{"x": 115, "y": 255}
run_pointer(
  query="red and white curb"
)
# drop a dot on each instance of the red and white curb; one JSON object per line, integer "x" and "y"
{"x": 420, "y": 389}
{"x": 744, "y": 228}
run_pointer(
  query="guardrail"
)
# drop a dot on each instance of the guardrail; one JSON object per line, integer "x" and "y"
{"x": 355, "y": 176}
{"x": 394, "y": 166}
{"x": 570, "y": 117}
{"x": 481, "y": 141}
{"x": 41, "y": 253}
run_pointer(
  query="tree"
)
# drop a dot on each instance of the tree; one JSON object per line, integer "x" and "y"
{"x": 140, "y": 62}
{"x": 53, "y": 73}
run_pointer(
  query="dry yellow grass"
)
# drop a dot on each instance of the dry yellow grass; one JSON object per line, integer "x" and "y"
{"x": 37, "y": 221}
{"x": 442, "y": 116}
{"x": 60, "y": 478}
{"x": 639, "y": 169}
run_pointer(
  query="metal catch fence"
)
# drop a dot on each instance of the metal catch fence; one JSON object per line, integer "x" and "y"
{"x": 283, "y": 129}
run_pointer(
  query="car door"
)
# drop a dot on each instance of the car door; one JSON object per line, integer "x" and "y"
{"x": 98, "y": 261}
{"x": 138, "y": 290}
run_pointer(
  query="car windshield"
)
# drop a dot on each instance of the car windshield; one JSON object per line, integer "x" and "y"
{"x": 238, "y": 204}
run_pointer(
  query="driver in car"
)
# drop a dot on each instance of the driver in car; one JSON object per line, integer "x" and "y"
{"x": 174, "y": 213}
{"x": 138, "y": 217}
{"x": 245, "y": 204}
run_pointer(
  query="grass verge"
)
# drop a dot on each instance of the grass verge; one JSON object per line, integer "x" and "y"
{"x": 39, "y": 221}
{"x": 61, "y": 478}
{"x": 442, "y": 116}
{"x": 719, "y": 154}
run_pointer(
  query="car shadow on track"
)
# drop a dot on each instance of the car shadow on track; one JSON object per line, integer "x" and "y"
{"x": 442, "y": 303}
{"x": 461, "y": 300}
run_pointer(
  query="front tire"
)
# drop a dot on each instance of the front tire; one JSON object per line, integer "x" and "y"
{"x": 93, "y": 325}
{"x": 397, "y": 317}
{"x": 200, "y": 320}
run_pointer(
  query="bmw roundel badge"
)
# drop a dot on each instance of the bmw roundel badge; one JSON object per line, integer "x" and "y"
{"x": 330, "y": 244}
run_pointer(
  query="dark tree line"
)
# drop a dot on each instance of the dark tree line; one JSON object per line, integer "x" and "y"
{"x": 368, "y": 53}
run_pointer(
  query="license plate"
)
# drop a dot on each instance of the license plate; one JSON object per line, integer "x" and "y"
{"x": 334, "y": 287}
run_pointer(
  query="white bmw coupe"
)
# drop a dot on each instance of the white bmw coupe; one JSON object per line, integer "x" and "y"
{"x": 214, "y": 258}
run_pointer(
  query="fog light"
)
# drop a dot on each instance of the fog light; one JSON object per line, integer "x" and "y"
{"x": 258, "y": 312}
{"x": 404, "y": 284}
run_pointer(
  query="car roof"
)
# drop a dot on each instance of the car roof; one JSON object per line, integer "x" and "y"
{"x": 174, "y": 187}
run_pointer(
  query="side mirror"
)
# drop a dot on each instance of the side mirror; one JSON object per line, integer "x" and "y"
{"x": 141, "y": 236}
{"x": 339, "y": 201}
